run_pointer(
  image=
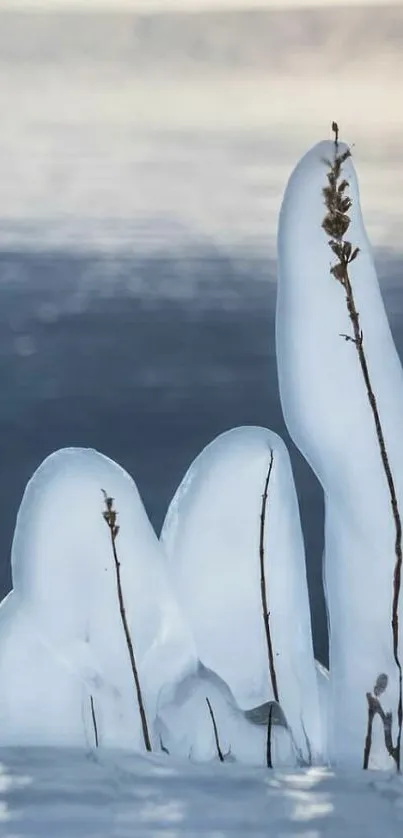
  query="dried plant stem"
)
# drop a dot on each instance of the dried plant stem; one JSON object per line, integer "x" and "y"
{"x": 307, "y": 742}
{"x": 269, "y": 759}
{"x": 110, "y": 516}
{"x": 162, "y": 746}
{"x": 263, "y": 590}
{"x": 368, "y": 737}
{"x": 354, "y": 317}
{"x": 375, "y": 709}
{"x": 217, "y": 741}
{"x": 94, "y": 722}
{"x": 336, "y": 224}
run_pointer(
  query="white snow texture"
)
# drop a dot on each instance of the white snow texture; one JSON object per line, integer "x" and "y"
{"x": 61, "y": 634}
{"x": 328, "y": 415}
{"x": 212, "y": 538}
{"x": 193, "y": 599}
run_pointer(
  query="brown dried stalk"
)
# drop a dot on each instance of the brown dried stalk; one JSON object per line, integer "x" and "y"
{"x": 368, "y": 737}
{"x": 375, "y": 708}
{"x": 110, "y": 516}
{"x": 269, "y": 760}
{"x": 336, "y": 224}
{"x": 217, "y": 741}
{"x": 94, "y": 722}
{"x": 263, "y": 591}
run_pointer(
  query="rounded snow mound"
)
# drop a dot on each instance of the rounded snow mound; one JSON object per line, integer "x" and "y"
{"x": 64, "y": 656}
{"x": 236, "y": 510}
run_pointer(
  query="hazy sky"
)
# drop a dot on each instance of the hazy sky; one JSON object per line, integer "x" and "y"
{"x": 149, "y": 5}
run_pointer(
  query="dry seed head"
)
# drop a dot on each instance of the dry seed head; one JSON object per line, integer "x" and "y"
{"x": 336, "y": 224}
{"x": 381, "y": 684}
{"x": 344, "y": 204}
{"x": 346, "y": 251}
{"x": 110, "y": 514}
{"x": 343, "y": 157}
{"x": 337, "y": 248}
{"x": 338, "y": 204}
{"x": 338, "y": 272}
{"x": 108, "y": 500}
{"x": 335, "y": 129}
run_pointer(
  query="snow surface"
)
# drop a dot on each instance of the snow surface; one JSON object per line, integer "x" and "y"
{"x": 211, "y": 535}
{"x": 61, "y": 636}
{"x": 48, "y": 792}
{"x": 327, "y": 413}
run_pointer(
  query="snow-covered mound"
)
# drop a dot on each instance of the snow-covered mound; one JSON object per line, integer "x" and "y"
{"x": 328, "y": 414}
{"x": 218, "y": 534}
{"x": 186, "y": 725}
{"x": 65, "y": 671}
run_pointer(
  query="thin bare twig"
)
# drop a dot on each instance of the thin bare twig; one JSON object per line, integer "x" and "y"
{"x": 269, "y": 759}
{"x": 336, "y": 224}
{"x": 164, "y": 749}
{"x": 110, "y": 516}
{"x": 263, "y": 590}
{"x": 217, "y": 741}
{"x": 94, "y": 722}
{"x": 307, "y": 743}
{"x": 368, "y": 737}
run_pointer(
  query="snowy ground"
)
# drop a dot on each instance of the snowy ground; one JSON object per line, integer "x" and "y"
{"x": 64, "y": 794}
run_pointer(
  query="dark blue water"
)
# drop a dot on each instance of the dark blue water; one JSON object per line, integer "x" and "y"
{"x": 147, "y": 367}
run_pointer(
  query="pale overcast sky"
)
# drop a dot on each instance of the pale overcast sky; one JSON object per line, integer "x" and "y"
{"x": 149, "y": 5}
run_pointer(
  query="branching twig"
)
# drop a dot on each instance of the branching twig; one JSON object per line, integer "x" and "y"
{"x": 375, "y": 709}
{"x": 217, "y": 741}
{"x": 110, "y": 516}
{"x": 352, "y": 340}
{"x": 94, "y": 722}
{"x": 263, "y": 591}
{"x": 336, "y": 224}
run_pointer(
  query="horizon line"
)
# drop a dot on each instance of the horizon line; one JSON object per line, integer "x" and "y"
{"x": 188, "y": 6}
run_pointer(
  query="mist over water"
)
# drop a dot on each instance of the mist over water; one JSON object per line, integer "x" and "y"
{"x": 142, "y": 164}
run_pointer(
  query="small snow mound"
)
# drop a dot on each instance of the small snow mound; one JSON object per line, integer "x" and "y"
{"x": 64, "y": 657}
{"x": 213, "y": 538}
